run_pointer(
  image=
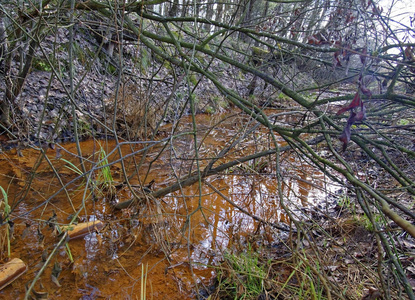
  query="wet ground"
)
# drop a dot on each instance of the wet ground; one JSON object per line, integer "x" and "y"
{"x": 171, "y": 244}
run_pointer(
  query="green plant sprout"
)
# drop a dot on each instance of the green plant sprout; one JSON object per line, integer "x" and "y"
{"x": 6, "y": 213}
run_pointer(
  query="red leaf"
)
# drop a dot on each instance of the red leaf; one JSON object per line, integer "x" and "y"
{"x": 313, "y": 40}
{"x": 356, "y": 102}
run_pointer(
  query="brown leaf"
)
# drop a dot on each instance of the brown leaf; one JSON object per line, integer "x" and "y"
{"x": 313, "y": 40}
{"x": 363, "y": 56}
{"x": 55, "y": 280}
{"x": 408, "y": 54}
{"x": 361, "y": 115}
{"x": 345, "y": 136}
{"x": 336, "y": 57}
{"x": 366, "y": 91}
{"x": 372, "y": 295}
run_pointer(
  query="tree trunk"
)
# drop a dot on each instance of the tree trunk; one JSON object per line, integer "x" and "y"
{"x": 4, "y": 105}
{"x": 209, "y": 14}
{"x": 247, "y": 16}
{"x": 219, "y": 10}
{"x": 174, "y": 9}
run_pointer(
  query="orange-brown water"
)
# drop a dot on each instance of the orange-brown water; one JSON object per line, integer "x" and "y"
{"x": 179, "y": 238}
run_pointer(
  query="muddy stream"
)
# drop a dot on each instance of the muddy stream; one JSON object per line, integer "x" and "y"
{"x": 178, "y": 239}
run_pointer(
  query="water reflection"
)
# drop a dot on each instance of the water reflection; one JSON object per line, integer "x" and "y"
{"x": 188, "y": 226}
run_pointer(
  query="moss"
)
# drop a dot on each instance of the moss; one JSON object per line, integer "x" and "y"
{"x": 403, "y": 122}
{"x": 220, "y": 101}
{"x": 258, "y": 52}
{"x": 210, "y": 110}
{"x": 80, "y": 54}
{"x": 111, "y": 69}
{"x": 207, "y": 47}
{"x": 41, "y": 65}
{"x": 193, "y": 78}
{"x": 144, "y": 60}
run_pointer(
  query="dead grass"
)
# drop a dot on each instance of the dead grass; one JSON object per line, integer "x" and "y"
{"x": 337, "y": 262}
{"x": 137, "y": 113}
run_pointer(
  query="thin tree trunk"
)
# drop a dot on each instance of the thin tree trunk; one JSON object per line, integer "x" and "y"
{"x": 218, "y": 15}
{"x": 209, "y": 14}
{"x": 4, "y": 105}
{"x": 174, "y": 9}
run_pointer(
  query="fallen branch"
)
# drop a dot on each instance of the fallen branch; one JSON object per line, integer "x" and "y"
{"x": 194, "y": 177}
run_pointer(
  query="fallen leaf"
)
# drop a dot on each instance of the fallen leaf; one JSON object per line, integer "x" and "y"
{"x": 372, "y": 295}
{"x": 55, "y": 280}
